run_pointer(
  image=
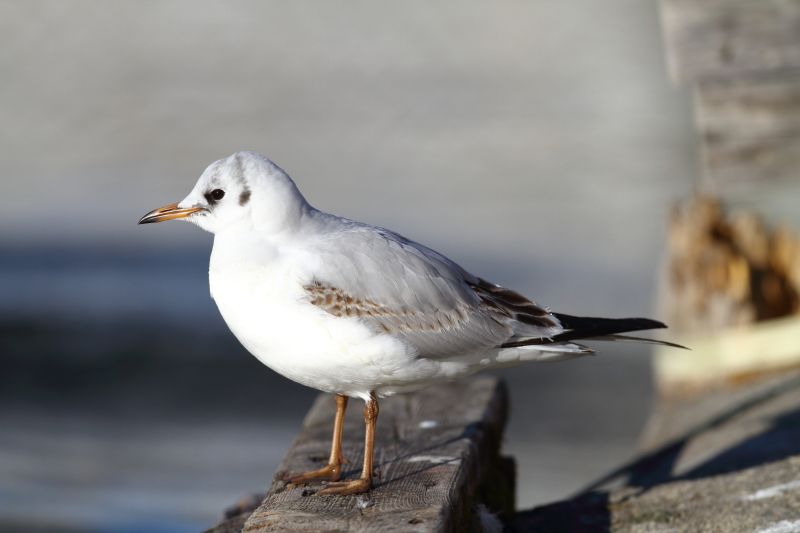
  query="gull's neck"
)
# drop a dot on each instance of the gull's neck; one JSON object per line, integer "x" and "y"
{"x": 247, "y": 242}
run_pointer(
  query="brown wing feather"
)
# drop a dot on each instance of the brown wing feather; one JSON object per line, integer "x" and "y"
{"x": 497, "y": 316}
{"x": 513, "y": 305}
{"x": 338, "y": 303}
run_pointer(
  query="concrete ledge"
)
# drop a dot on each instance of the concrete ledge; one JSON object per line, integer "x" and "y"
{"x": 728, "y": 461}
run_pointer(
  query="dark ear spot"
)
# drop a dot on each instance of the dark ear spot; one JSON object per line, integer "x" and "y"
{"x": 244, "y": 197}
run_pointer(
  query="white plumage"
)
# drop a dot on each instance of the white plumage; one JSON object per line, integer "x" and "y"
{"x": 271, "y": 246}
{"x": 353, "y": 309}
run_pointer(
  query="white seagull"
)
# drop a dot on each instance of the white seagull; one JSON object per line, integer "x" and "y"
{"x": 357, "y": 310}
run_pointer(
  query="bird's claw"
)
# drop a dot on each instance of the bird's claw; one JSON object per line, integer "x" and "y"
{"x": 330, "y": 472}
{"x": 343, "y": 488}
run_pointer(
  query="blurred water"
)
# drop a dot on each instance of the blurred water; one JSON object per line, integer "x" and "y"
{"x": 159, "y": 474}
{"x": 537, "y": 143}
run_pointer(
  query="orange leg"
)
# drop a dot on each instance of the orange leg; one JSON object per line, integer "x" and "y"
{"x": 333, "y": 470}
{"x": 364, "y": 482}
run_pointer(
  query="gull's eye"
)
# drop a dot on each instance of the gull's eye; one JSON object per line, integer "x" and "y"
{"x": 217, "y": 194}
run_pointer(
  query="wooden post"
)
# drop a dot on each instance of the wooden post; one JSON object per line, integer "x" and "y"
{"x": 732, "y": 284}
{"x": 742, "y": 58}
{"x": 437, "y": 467}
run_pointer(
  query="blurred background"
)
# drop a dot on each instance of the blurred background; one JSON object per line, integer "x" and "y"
{"x": 539, "y": 144}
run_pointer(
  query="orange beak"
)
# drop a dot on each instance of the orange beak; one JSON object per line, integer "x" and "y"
{"x": 168, "y": 212}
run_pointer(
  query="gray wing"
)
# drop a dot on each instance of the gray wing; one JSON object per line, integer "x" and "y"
{"x": 404, "y": 289}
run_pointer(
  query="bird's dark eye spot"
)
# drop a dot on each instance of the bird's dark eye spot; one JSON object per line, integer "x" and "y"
{"x": 217, "y": 194}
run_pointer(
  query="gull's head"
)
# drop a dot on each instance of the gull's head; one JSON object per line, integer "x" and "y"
{"x": 245, "y": 191}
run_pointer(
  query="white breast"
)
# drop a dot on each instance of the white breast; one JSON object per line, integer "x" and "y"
{"x": 262, "y": 298}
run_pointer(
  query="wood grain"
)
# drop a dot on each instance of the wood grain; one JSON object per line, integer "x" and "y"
{"x": 713, "y": 39}
{"x": 437, "y": 459}
{"x": 750, "y": 129}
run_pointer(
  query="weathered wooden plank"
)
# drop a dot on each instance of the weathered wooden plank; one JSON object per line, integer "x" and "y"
{"x": 708, "y": 39}
{"x": 750, "y": 129}
{"x": 437, "y": 459}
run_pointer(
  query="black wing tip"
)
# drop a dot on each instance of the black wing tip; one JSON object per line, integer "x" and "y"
{"x": 653, "y": 324}
{"x": 582, "y": 322}
{"x": 585, "y": 327}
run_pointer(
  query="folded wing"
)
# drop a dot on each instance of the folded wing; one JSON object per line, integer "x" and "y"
{"x": 404, "y": 289}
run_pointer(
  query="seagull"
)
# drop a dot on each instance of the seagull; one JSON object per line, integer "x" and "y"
{"x": 356, "y": 310}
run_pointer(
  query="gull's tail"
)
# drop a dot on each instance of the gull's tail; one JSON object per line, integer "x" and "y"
{"x": 599, "y": 329}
